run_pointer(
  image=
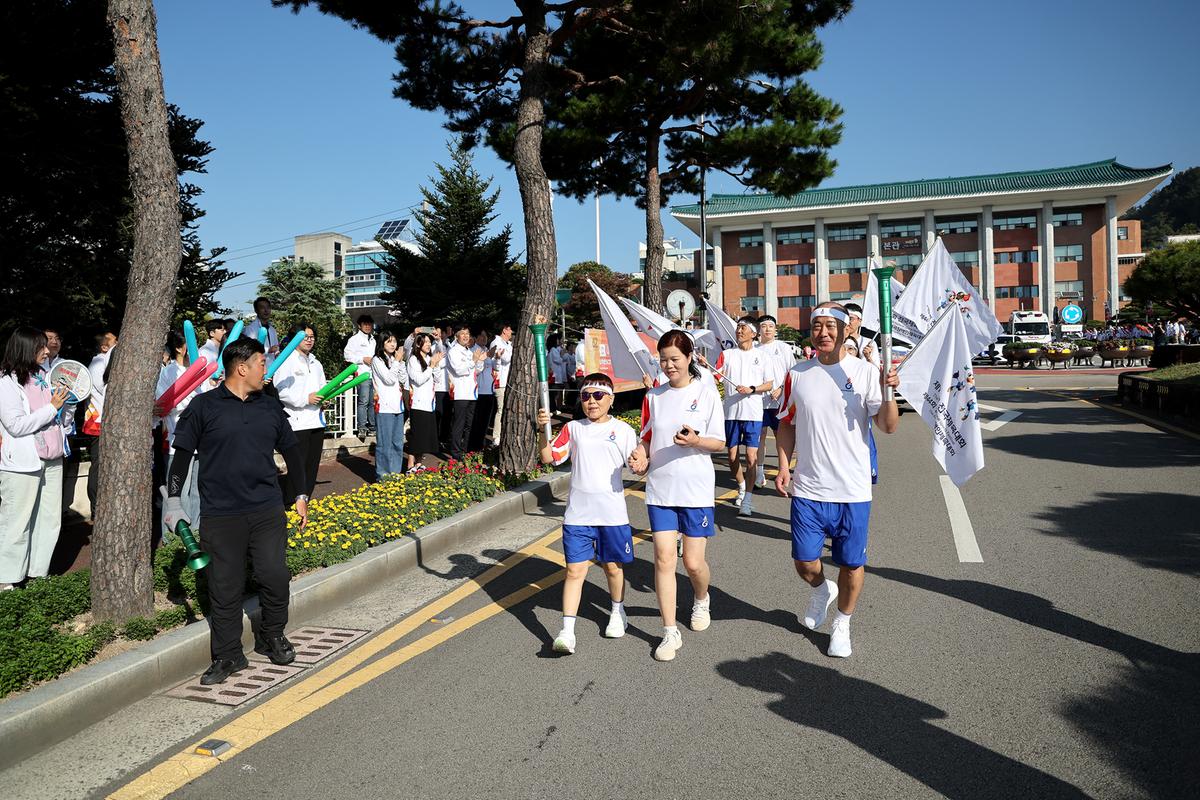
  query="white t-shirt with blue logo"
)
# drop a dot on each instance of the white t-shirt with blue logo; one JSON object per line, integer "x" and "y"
{"x": 832, "y": 408}
{"x": 743, "y": 368}
{"x": 681, "y": 476}
{"x": 598, "y": 452}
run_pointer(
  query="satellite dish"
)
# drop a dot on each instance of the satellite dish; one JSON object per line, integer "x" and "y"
{"x": 681, "y": 305}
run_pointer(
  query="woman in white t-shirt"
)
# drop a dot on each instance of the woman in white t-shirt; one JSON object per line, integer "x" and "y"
{"x": 423, "y": 423}
{"x": 682, "y": 426}
{"x": 390, "y": 379}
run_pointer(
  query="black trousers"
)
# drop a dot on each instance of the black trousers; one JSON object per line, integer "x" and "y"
{"x": 460, "y": 429}
{"x": 442, "y": 407}
{"x": 263, "y": 536}
{"x": 485, "y": 409}
{"x": 311, "y": 443}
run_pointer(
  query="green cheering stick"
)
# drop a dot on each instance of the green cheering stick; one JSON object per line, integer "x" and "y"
{"x": 347, "y": 386}
{"x": 884, "y": 276}
{"x": 538, "y": 328}
{"x": 331, "y": 388}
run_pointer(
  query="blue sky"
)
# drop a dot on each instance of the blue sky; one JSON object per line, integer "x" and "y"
{"x": 308, "y": 136}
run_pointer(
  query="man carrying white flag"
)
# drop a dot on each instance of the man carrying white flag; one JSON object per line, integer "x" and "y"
{"x": 631, "y": 359}
{"x": 937, "y": 381}
{"x": 938, "y": 283}
{"x": 870, "y": 314}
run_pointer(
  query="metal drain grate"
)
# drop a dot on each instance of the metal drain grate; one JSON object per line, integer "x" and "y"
{"x": 315, "y": 644}
{"x": 243, "y": 685}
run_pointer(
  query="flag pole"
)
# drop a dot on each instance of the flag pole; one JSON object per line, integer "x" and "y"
{"x": 884, "y": 276}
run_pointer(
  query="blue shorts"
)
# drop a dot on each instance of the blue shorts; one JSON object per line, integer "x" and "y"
{"x": 771, "y": 418}
{"x": 698, "y": 522}
{"x": 607, "y": 544}
{"x": 874, "y": 456}
{"x": 742, "y": 431}
{"x": 844, "y": 523}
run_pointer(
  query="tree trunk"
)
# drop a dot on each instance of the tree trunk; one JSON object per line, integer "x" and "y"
{"x": 655, "y": 252}
{"x": 122, "y": 579}
{"x": 519, "y": 439}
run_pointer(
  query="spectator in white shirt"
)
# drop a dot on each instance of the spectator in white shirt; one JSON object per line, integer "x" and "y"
{"x": 360, "y": 349}
{"x": 297, "y": 381}
{"x": 211, "y": 349}
{"x": 485, "y": 401}
{"x": 464, "y": 364}
{"x": 261, "y": 321}
{"x": 443, "y": 337}
{"x": 53, "y": 346}
{"x": 390, "y": 377}
{"x": 93, "y": 417}
{"x": 423, "y": 432}
{"x": 502, "y": 360}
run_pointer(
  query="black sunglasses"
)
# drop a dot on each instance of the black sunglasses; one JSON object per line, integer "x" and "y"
{"x": 597, "y": 396}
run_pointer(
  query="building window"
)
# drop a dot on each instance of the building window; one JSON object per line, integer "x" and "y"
{"x": 840, "y": 297}
{"x": 1068, "y": 289}
{"x": 899, "y": 230}
{"x": 911, "y": 261}
{"x": 795, "y": 236}
{"x": 1068, "y": 252}
{"x": 846, "y": 233}
{"x": 966, "y": 258}
{"x": 1013, "y": 223}
{"x": 798, "y": 301}
{"x": 1018, "y": 257}
{"x": 957, "y": 225}
{"x": 1016, "y": 291}
{"x": 794, "y": 269}
{"x": 1068, "y": 219}
{"x": 753, "y": 303}
{"x": 1122, "y": 233}
{"x": 750, "y": 240}
{"x": 845, "y": 266}
{"x": 753, "y": 271}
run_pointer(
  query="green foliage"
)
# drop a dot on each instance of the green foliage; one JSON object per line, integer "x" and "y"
{"x": 1175, "y": 208}
{"x": 788, "y": 334}
{"x": 138, "y": 629}
{"x": 300, "y": 292}
{"x": 583, "y": 310}
{"x": 1180, "y": 373}
{"x": 1169, "y": 277}
{"x": 461, "y": 272}
{"x": 67, "y": 221}
{"x": 32, "y": 647}
{"x": 102, "y": 633}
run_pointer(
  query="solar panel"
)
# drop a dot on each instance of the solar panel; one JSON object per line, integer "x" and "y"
{"x": 391, "y": 230}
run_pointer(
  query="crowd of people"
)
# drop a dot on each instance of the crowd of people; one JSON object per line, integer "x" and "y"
{"x": 1168, "y": 331}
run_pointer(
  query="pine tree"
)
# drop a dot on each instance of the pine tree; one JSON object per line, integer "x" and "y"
{"x": 461, "y": 273}
{"x": 300, "y": 293}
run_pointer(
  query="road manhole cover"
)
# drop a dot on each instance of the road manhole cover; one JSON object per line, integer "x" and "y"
{"x": 315, "y": 644}
{"x": 243, "y": 685}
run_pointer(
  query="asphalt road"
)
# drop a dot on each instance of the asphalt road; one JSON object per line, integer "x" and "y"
{"x": 1064, "y": 664}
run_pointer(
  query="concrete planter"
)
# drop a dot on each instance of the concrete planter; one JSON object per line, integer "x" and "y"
{"x": 1021, "y": 354}
{"x": 1113, "y": 354}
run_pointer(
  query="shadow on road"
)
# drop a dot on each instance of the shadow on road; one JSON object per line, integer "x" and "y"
{"x": 1120, "y": 449}
{"x": 1148, "y": 719}
{"x": 891, "y": 727}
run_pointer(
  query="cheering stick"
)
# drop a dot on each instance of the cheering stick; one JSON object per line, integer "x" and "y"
{"x": 232, "y": 337}
{"x": 333, "y": 385}
{"x": 179, "y": 392}
{"x": 347, "y": 386}
{"x": 189, "y": 338}
{"x": 884, "y": 276}
{"x": 283, "y": 355}
{"x": 262, "y": 335}
{"x": 171, "y": 397}
{"x": 543, "y": 373}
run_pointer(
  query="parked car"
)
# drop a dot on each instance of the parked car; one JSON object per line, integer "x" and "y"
{"x": 994, "y": 354}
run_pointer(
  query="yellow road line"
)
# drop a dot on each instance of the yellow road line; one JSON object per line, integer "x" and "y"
{"x": 1151, "y": 421}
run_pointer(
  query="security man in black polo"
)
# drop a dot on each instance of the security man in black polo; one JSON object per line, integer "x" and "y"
{"x": 235, "y": 429}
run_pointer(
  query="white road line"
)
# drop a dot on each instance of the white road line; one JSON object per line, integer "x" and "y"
{"x": 995, "y": 424}
{"x": 960, "y": 524}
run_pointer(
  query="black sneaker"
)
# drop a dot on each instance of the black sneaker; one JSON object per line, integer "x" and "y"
{"x": 221, "y": 669}
{"x": 276, "y": 648}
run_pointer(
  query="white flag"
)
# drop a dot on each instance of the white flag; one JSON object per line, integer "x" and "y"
{"x": 937, "y": 381}
{"x": 938, "y": 283}
{"x": 630, "y": 357}
{"x": 722, "y": 326}
{"x": 655, "y": 324}
{"x": 870, "y": 318}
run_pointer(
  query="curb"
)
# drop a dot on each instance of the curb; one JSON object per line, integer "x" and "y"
{"x": 55, "y": 711}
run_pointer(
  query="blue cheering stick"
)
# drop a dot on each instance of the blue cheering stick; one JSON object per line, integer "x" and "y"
{"x": 232, "y": 337}
{"x": 189, "y": 338}
{"x": 283, "y": 355}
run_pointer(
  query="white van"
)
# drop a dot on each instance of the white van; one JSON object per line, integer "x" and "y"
{"x": 1030, "y": 326}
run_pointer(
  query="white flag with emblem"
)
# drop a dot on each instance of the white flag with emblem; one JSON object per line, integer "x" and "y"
{"x": 630, "y": 357}
{"x": 870, "y": 318}
{"x": 937, "y": 381}
{"x": 938, "y": 283}
{"x": 655, "y": 324}
{"x": 722, "y": 326}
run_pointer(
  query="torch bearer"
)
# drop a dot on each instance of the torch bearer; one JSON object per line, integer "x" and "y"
{"x": 884, "y": 277}
{"x": 538, "y": 328}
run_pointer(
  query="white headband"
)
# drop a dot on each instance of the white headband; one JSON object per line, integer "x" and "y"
{"x": 831, "y": 312}
{"x": 854, "y": 313}
{"x": 600, "y": 387}
{"x": 748, "y": 324}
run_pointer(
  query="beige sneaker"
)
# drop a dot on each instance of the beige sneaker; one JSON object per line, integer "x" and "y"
{"x": 670, "y": 644}
{"x": 700, "y": 616}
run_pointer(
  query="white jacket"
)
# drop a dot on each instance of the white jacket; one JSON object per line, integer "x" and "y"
{"x": 421, "y": 381}
{"x": 96, "y": 368}
{"x": 390, "y": 383}
{"x": 440, "y": 383}
{"x": 18, "y": 424}
{"x": 359, "y": 346}
{"x": 503, "y": 359}
{"x": 250, "y": 331}
{"x": 299, "y": 377}
{"x": 463, "y": 372}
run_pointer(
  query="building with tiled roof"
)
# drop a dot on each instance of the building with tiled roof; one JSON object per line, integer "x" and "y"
{"x": 1026, "y": 240}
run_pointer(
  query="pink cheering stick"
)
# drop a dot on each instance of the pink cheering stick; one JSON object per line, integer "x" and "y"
{"x": 193, "y": 376}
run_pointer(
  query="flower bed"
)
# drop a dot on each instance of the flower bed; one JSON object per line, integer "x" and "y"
{"x": 41, "y": 633}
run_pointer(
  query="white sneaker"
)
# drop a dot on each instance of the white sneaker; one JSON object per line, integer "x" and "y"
{"x": 746, "y": 508}
{"x": 818, "y": 605}
{"x": 564, "y": 642}
{"x": 839, "y": 637}
{"x": 741, "y": 497}
{"x": 617, "y": 623}
{"x": 762, "y": 478}
{"x": 701, "y": 618}
{"x": 670, "y": 644}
